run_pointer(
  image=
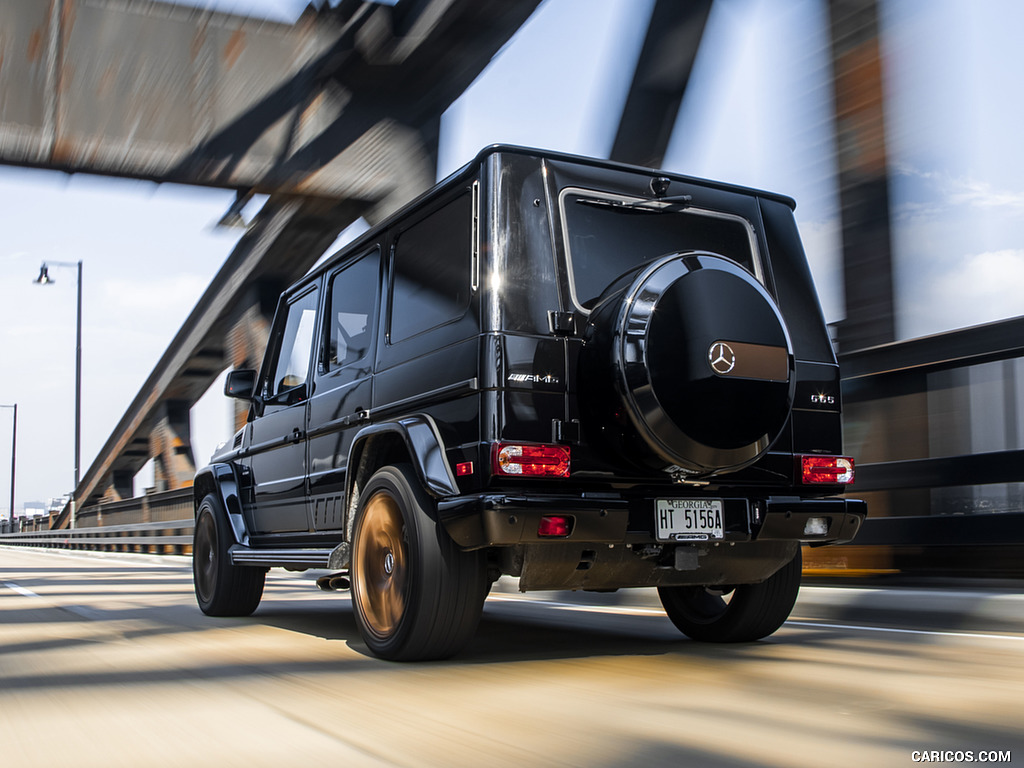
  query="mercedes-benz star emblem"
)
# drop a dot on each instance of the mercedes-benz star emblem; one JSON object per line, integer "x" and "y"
{"x": 721, "y": 357}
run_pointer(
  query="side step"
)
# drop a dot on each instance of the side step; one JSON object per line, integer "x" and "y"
{"x": 296, "y": 559}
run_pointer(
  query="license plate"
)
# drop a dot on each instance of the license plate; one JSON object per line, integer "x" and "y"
{"x": 688, "y": 519}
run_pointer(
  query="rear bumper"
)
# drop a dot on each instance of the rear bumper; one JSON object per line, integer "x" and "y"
{"x": 812, "y": 521}
{"x": 495, "y": 520}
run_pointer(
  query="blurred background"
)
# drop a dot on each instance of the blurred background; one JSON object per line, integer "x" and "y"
{"x": 130, "y": 130}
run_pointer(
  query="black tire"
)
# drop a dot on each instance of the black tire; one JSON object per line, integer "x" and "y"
{"x": 752, "y": 612}
{"x": 222, "y": 589}
{"x": 415, "y": 594}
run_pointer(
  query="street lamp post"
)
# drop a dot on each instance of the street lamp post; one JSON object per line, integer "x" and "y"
{"x": 45, "y": 279}
{"x": 14, "y": 455}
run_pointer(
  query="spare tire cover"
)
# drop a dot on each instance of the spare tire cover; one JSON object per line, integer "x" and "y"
{"x": 701, "y": 359}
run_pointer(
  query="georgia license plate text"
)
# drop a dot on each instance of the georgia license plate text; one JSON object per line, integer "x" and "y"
{"x": 688, "y": 519}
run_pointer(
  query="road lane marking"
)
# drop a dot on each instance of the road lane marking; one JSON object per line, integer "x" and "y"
{"x": 911, "y": 593}
{"x": 81, "y": 611}
{"x": 20, "y": 590}
{"x": 624, "y": 609}
{"x": 634, "y": 610}
{"x": 929, "y": 632}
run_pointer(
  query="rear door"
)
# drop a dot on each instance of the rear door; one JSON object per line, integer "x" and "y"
{"x": 343, "y": 383}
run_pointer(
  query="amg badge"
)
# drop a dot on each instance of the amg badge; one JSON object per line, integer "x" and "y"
{"x": 533, "y": 378}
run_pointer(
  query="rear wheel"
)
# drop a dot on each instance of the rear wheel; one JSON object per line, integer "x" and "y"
{"x": 222, "y": 589}
{"x": 415, "y": 594}
{"x": 747, "y": 612}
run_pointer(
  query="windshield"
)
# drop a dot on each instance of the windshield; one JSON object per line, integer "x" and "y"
{"x": 607, "y": 235}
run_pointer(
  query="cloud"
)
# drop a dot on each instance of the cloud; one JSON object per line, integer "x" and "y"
{"x": 942, "y": 190}
{"x": 957, "y": 255}
{"x": 979, "y": 288}
{"x": 982, "y": 194}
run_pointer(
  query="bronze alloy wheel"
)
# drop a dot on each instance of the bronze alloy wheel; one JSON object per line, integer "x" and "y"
{"x": 381, "y": 559}
{"x": 415, "y": 594}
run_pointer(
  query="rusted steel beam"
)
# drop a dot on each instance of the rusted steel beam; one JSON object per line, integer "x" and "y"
{"x": 128, "y": 88}
{"x": 336, "y": 105}
{"x": 170, "y": 446}
{"x": 863, "y": 175}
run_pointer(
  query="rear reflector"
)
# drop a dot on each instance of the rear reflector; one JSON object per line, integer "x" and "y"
{"x": 532, "y": 460}
{"x": 826, "y": 470}
{"x": 555, "y": 526}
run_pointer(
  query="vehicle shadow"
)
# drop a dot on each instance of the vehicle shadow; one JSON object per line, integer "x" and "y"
{"x": 509, "y": 630}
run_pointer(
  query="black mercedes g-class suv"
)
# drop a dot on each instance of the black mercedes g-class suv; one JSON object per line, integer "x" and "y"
{"x": 582, "y": 374}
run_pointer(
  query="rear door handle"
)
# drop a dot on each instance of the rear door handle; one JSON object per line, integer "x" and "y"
{"x": 356, "y": 418}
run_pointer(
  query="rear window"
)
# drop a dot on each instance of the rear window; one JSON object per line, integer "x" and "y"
{"x": 431, "y": 270}
{"x": 609, "y": 235}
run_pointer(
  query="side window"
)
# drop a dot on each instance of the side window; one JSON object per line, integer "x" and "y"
{"x": 431, "y": 270}
{"x": 291, "y": 366}
{"x": 352, "y": 303}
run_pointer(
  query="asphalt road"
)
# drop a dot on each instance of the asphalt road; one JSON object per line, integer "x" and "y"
{"x": 107, "y": 661}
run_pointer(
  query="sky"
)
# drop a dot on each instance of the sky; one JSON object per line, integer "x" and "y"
{"x": 757, "y": 112}
{"x": 954, "y": 118}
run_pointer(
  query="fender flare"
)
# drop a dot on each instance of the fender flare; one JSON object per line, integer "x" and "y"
{"x": 425, "y": 447}
{"x": 224, "y": 481}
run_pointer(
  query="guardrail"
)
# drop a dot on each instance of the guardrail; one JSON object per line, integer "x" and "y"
{"x": 157, "y": 523}
{"x": 935, "y": 424}
{"x": 173, "y": 537}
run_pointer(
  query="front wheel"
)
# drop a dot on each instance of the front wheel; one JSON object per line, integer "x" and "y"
{"x": 222, "y": 588}
{"x": 746, "y": 613}
{"x": 415, "y": 594}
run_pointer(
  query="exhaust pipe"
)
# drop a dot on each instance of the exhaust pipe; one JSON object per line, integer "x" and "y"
{"x": 334, "y": 582}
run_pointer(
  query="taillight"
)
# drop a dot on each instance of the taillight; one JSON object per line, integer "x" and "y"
{"x": 531, "y": 460}
{"x": 826, "y": 470}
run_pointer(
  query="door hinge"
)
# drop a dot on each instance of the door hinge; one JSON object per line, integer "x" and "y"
{"x": 565, "y": 431}
{"x": 562, "y": 323}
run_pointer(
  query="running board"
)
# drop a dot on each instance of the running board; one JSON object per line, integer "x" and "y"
{"x": 283, "y": 558}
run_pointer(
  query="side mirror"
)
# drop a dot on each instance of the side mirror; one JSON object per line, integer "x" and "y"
{"x": 241, "y": 383}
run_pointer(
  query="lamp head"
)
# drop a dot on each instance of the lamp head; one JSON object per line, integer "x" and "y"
{"x": 44, "y": 276}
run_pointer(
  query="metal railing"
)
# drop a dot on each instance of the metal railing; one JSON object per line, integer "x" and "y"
{"x": 157, "y": 523}
{"x": 161, "y": 538}
{"x": 934, "y": 422}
